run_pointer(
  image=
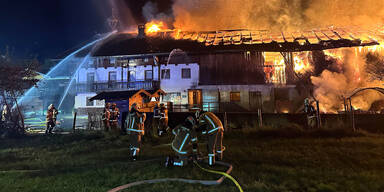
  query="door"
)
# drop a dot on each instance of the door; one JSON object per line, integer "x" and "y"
{"x": 195, "y": 98}
{"x": 255, "y": 101}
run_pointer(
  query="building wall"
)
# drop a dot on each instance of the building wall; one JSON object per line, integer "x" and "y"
{"x": 81, "y": 101}
{"x": 221, "y": 93}
{"x": 176, "y": 86}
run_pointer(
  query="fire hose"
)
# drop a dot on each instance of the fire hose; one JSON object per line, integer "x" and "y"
{"x": 203, "y": 182}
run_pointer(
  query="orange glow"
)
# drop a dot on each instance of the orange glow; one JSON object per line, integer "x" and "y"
{"x": 154, "y": 27}
{"x": 301, "y": 63}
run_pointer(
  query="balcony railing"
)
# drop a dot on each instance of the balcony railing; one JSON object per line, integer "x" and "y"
{"x": 116, "y": 86}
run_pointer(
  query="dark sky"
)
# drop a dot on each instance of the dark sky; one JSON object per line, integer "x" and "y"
{"x": 47, "y": 28}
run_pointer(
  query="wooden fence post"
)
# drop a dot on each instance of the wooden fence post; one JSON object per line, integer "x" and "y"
{"x": 352, "y": 114}
{"x": 74, "y": 122}
{"x": 318, "y": 114}
{"x": 259, "y": 113}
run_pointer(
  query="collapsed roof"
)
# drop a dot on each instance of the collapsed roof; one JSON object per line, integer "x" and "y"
{"x": 237, "y": 40}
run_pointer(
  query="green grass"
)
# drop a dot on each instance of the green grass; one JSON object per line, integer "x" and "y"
{"x": 269, "y": 159}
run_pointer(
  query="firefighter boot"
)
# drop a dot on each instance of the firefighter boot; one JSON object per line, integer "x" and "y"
{"x": 211, "y": 159}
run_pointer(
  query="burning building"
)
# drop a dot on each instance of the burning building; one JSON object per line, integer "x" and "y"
{"x": 226, "y": 70}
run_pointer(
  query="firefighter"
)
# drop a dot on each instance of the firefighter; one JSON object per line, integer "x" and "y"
{"x": 209, "y": 124}
{"x": 51, "y": 118}
{"x": 105, "y": 117}
{"x": 4, "y": 114}
{"x": 163, "y": 123}
{"x": 185, "y": 136}
{"x": 114, "y": 114}
{"x": 135, "y": 129}
{"x": 156, "y": 121}
{"x": 311, "y": 114}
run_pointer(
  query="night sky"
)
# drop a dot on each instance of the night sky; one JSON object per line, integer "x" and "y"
{"x": 47, "y": 28}
{"x": 50, "y": 28}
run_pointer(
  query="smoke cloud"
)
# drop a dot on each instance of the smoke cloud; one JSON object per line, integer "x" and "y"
{"x": 282, "y": 15}
{"x": 345, "y": 75}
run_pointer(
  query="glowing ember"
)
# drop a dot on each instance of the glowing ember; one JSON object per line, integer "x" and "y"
{"x": 301, "y": 63}
{"x": 154, "y": 26}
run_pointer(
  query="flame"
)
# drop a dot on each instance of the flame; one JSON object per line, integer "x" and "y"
{"x": 154, "y": 27}
{"x": 301, "y": 63}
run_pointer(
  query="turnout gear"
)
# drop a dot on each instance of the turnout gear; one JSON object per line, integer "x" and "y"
{"x": 114, "y": 114}
{"x": 51, "y": 118}
{"x": 135, "y": 129}
{"x": 210, "y": 125}
{"x": 185, "y": 137}
{"x": 311, "y": 113}
{"x": 105, "y": 116}
{"x": 5, "y": 114}
{"x": 163, "y": 122}
{"x": 156, "y": 121}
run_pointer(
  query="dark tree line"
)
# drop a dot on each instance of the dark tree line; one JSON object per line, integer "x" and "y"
{"x": 16, "y": 77}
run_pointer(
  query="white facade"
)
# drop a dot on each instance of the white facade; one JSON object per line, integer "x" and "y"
{"x": 171, "y": 81}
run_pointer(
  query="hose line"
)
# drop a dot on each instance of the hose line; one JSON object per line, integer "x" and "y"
{"x": 203, "y": 182}
{"x": 221, "y": 173}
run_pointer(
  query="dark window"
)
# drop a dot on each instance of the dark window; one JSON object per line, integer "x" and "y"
{"x": 131, "y": 76}
{"x": 106, "y": 63}
{"x": 186, "y": 73}
{"x": 148, "y": 75}
{"x": 89, "y": 103}
{"x": 112, "y": 79}
{"x": 112, "y": 76}
{"x": 165, "y": 73}
{"x": 234, "y": 97}
{"x": 90, "y": 78}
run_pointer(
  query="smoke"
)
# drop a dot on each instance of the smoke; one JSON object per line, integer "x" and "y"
{"x": 151, "y": 12}
{"x": 279, "y": 15}
{"x": 345, "y": 74}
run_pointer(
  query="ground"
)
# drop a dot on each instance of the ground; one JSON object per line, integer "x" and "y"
{"x": 263, "y": 160}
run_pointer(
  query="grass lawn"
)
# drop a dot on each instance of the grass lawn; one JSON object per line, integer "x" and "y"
{"x": 263, "y": 160}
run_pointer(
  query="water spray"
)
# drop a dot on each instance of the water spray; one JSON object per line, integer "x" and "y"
{"x": 72, "y": 79}
{"x": 56, "y": 67}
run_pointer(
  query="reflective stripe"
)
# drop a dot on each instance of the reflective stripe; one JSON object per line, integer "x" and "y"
{"x": 178, "y": 163}
{"x": 209, "y": 119}
{"x": 204, "y": 132}
{"x": 194, "y": 139}
{"x": 194, "y": 150}
{"x": 134, "y": 152}
{"x": 210, "y": 160}
{"x": 135, "y": 130}
{"x": 173, "y": 131}
{"x": 181, "y": 152}
{"x": 219, "y": 151}
{"x": 132, "y": 123}
{"x": 211, "y": 155}
{"x": 185, "y": 139}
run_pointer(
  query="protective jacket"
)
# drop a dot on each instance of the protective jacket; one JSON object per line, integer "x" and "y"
{"x": 134, "y": 122}
{"x": 114, "y": 115}
{"x": 184, "y": 137}
{"x": 52, "y": 115}
{"x": 209, "y": 123}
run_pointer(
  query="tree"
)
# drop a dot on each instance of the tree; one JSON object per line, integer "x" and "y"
{"x": 16, "y": 77}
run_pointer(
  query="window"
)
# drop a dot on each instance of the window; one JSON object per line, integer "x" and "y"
{"x": 131, "y": 76}
{"x": 112, "y": 79}
{"x": 90, "y": 78}
{"x": 88, "y": 102}
{"x": 148, "y": 75}
{"x": 186, "y": 73}
{"x": 112, "y": 76}
{"x": 165, "y": 73}
{"x": 106, "y": 62}
{"x": 234, "y": 97}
